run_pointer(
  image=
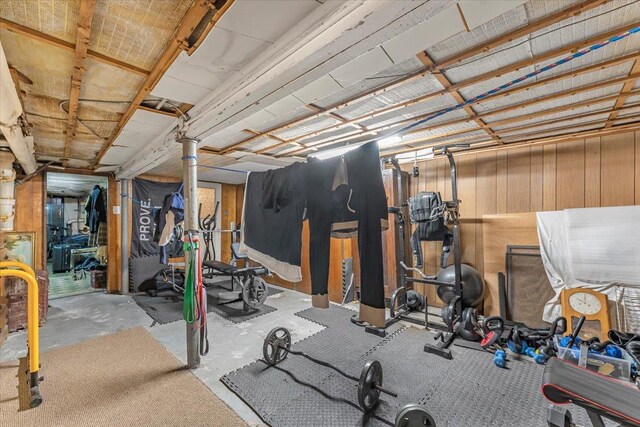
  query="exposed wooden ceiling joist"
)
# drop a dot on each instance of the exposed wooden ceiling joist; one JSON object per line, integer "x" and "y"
{"x": 46, "y": 38}
{"x": 83, "y": 34}
{"x": 483, "y": 47}
{"x": 468, "y": 83}
{"x": 183, "y": 39}
{"x": 628, "y": 86}
{"x": 444, "y": 81}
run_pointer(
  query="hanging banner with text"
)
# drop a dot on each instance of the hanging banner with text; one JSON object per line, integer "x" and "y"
{"x": 147, "y": 199}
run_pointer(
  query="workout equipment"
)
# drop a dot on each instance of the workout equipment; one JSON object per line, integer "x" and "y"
{"x": 247, "y": 284}
{"x": 194, "y": 307}
{"x": 600, "y": 396}
{"x": 431, "y": 215}
{"x": 472, "y": 285}
{"x": 277, "y": 346}
{"x": 414, "y": 415}
{"x": 26, "y": 273}
{"x": 208, "y": 225}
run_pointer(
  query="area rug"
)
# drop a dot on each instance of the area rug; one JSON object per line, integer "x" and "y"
{"x": 126, "y": 378}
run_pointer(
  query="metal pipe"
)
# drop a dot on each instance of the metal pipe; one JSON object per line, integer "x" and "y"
{"x": 190, "y": 182}
{"x": 124, "y": 236}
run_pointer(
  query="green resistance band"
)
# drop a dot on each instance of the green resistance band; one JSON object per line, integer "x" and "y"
{"x": 188, "y": 307}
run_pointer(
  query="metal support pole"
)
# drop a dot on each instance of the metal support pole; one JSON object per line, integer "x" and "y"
{"x": 124, "y": 236}
{"x": 190, "y": 183}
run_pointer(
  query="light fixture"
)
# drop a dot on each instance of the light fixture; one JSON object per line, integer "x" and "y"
{"x": 424, "y": 154}
{"x": 326, "y": 154}
{"x": 389, "y": 141}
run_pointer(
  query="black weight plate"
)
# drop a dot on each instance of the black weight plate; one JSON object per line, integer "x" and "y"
{"x": 276, "y": 345}
{"x": 415, "y": 301}
{"x": 414, "y": 415}
{"x": 368, "y": 394}
{"x": 254, "y": 292}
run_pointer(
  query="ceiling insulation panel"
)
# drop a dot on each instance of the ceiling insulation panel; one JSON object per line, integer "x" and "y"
{"x": 308, "y": 126}
{"x": 323, "y": 86}
{"x": 445, "y": 129}
{"x": 180, "y": 90}
{"x": 637, "y": 84}
{"x": 473, "y": 136}
{"x": 209, "y": 77}
{"x": 50, "y": 69}
{"x": 509, "y": 21}
{"x": 135, "y": 32}
{"x": 577, "y": 128}
{"x": 568, "y": 84}
{"x": 427, "y": 33}
{"x": 566, "y": 101}
{"x": 634, "y": 110}
{"x": 59, "y": 20}
{"x": 225, "y": 50}
{"x": 227, "y": 136}
{"x": 258, "y": 118}
{"x": 573, "y": 122}
{"x": 554, "y": 116}
{"x": 363, "y": 66}
{"x": 285, "y": 105}
{"x": 632, "y": 99}
{"x": 390, "y": 74}
{"x": 478, "y": 13}
{"x": 117, "y": 155}
{"x": 266, "y": 20}
{"x": 108, "y": 83}
{"x": 281, "y": 120}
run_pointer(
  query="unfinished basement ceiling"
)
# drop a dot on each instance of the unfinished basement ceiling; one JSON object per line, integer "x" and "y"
{"x": 402, "y": 62}
{"x": 126, "y": 38}
{"x": 374, "y": 94}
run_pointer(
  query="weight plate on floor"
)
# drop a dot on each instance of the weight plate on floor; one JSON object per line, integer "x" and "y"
{"x": 415, "y": 301}
{"x": 276, "y": 345}
{"x": 254, "y": 292}
{"x": 368, "y": 394}
{"x": 414, "y": 415}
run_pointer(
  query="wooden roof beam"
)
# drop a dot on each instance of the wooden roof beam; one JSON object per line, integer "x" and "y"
{"x": 505, "y": 121}
{"x": 83, "y": 34}
{"x": 491, "y": 44}
{"x": 628, "y": 86}
{"x": 184, "y": 38}
{"x": 444, "y": 81}
{"x": 538, "y": 141}
{"x": 53, "y": 41}
{"x": 453, "y": 88}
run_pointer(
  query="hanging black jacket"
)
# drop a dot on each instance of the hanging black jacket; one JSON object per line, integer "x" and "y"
{"x": 96, "y": 209}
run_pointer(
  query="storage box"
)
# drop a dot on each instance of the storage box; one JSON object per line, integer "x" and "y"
{"x": 616, "y": 368}
{"x": 98, "y": 279}
{"x": 16, "y": 293}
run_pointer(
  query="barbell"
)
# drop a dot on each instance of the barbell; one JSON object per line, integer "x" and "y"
{"x": 277, "y": 345}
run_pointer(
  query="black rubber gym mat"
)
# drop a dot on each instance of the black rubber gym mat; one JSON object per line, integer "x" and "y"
{"x": 466, "y": 391}
{"x": 167, "y": 306}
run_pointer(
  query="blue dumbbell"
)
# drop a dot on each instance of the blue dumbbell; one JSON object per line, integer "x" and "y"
{"x": 538, "y": 358}
{"x": 500, "y": 358}
{"x": 613, "y": 351}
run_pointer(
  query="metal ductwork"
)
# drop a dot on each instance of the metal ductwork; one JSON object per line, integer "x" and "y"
{"x": 10, "y": 113}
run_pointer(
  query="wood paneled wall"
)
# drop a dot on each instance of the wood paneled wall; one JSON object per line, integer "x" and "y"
{"x": 592, "y": 172}
{"x": 31, "y": 200}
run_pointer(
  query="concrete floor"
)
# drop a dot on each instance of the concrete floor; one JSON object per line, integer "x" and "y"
{"x": 78, "y": 318}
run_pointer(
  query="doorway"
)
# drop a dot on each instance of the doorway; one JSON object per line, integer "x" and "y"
{"x": 76, "y": 226}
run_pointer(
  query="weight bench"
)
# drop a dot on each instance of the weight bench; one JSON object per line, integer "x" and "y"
{"x": 247, "y": 284}
{"x": 601, "y": 396}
